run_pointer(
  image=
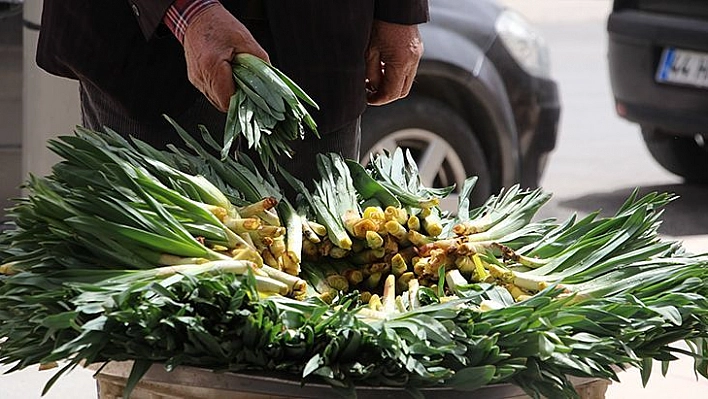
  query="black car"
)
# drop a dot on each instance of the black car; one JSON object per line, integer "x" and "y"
{"x": 658, "y": 65}
{"x": 483, "y": 102}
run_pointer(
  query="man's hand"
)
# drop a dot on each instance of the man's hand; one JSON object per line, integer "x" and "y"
{"x": 392, "y": 61}
{"x": 211, "y": 42}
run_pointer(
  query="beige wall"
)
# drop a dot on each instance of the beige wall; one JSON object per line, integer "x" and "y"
{"x": 34, "y": 105}
{"x": 51, "y": 104}
{"x": 10, "y": 108}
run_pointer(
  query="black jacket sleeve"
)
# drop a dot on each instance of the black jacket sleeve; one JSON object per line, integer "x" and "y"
{"x": 149, "y": 14}
{"x": 406, "y": 12}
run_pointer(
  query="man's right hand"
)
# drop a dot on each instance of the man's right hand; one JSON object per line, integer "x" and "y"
{"x": 211, "y": 41}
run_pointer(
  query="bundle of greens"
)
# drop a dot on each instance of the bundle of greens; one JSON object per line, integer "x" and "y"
{"x": 266, "y": 110}
{"x": 178, "y": 257}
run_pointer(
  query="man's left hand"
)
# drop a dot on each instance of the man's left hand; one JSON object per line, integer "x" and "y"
{"x": 392, "y": 61}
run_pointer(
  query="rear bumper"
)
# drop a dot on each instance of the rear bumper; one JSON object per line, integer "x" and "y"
{"x": 636, "y": 41}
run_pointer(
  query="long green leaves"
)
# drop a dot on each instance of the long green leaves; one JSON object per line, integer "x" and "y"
{"x": 78, "y": 276}
{"x": 398, "y": 173}
{"x": 265, "y": 110}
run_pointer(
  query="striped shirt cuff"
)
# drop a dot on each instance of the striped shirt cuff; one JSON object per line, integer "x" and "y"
{"x": 182, "y": 12}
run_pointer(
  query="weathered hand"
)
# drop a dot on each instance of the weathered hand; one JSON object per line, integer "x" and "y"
{"x": 392, "y": 61}
{"x": 211, "y": 42}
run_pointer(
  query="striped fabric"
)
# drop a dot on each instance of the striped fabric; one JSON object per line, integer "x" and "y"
{"x": 182, "y": 12}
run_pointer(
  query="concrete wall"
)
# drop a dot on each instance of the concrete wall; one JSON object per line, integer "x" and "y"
{"x": 34, "y": 106}
{"x": 51, "y": 104}
{"x": 10, "y": 108}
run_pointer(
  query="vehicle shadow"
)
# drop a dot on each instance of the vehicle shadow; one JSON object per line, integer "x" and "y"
{"x": 686, "y": 215}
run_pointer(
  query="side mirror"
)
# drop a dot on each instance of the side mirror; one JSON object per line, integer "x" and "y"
{"x": 9, "y": 8}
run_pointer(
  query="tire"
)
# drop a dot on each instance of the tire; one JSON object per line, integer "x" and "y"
{"x": 441, "y": 142}
{"x": 682, "y": 155}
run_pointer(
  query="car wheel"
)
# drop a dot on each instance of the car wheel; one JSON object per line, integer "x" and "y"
{"x": 681, "y": 155}
{"x": 441, "y": 142}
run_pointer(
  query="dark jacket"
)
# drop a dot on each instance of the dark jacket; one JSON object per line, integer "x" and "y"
{"x": 122, "y": 48}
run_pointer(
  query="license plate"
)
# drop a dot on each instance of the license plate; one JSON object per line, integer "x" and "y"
{"x": 683, "y": 67}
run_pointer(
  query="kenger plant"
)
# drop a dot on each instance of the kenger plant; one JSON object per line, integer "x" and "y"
{"x": 193, "y": 257}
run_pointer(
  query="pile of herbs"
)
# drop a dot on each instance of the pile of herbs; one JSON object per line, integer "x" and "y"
{"x": 79, "y": 287}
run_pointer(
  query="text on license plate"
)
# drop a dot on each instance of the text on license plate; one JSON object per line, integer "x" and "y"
{"x": 683, "y": 67}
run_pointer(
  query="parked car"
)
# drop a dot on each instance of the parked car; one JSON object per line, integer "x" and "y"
{"x": 658, "y": 65}
{"x": 483, "y": 103}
